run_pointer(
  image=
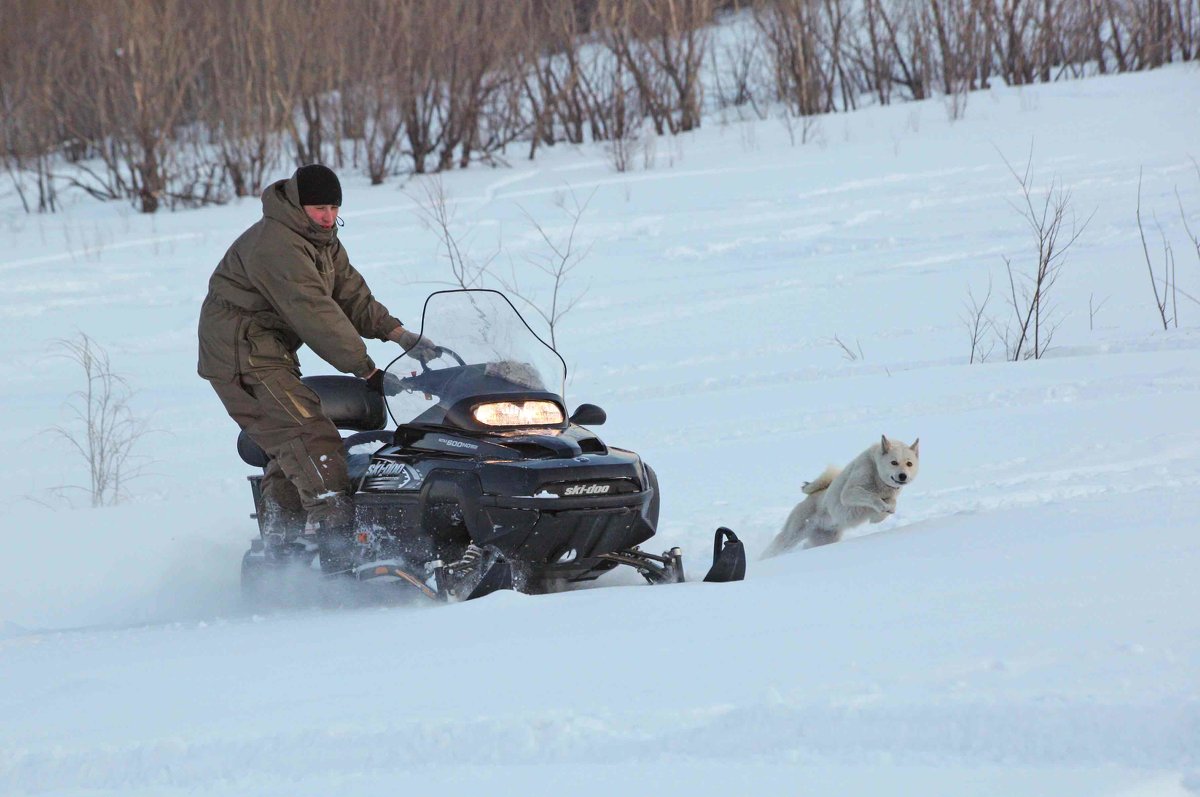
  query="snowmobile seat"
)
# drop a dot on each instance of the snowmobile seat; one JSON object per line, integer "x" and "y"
{"x": 345, "y": 400}
{"x": 360, "y": 447}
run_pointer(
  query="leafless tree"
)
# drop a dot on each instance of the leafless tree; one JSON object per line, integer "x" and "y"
{"x": 661, "y": 45}
{"x": 1034, "y": 321}
{"x": 433, "y": 207}
{"x": 243, "y": 102}
{"x": 1169, "y": 296}
{"x": 32, "y": 126}
{"x": 1187, "y": 228}
{"x": 561, "y": 258}
{"x": 105, "y": 429}
{"x": 737, "y": 69}
{"x": 148, "y": 60}
{"x": 790, "y": 33}
{"x": 980, "y": 326}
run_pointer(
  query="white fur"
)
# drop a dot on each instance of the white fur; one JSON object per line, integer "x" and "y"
{"x": 839, "y": 499}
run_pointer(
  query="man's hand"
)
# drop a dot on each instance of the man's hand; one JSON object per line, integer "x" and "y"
{"x": 383, "y": 382}
{"x": 421, "y": 348}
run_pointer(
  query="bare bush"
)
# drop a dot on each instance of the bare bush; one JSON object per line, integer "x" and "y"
{"x": 737, "y": 70}
{"x": 549, "y": 298}
{"x": 105, "y": 428}
{"x": 1164, "y": 282}
{"x": 245, "y": 105}
{"x": 980, "y": 326}
{"x": 561, "y": 258}
{"x": 148, "y": 58}
{"x": 1034, "y": 318}
{"x": 791, "y": 34}
{"x": 28, "y": 124}
{"x": 433, "y": 208}
{"x": 1187, "y": 228}
{"x": 661, "y": 45}
{"x": 848, "y": 353}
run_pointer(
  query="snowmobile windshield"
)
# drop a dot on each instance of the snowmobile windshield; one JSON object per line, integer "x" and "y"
{"x": 490, "y": 371}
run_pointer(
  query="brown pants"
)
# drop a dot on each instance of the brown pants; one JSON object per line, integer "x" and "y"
{"x": 308, "y": 462}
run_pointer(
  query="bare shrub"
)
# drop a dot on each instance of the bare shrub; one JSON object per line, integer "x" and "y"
{"x": 1034, "y": 318}
{"x": 433, "y": 207}
{"x": 148, "y": 60}
{"x": 623, "y": 149}
{"x": 1168, "y": 295}
{"x": 1193, "y": 237}
{"x": 561, "y": 258}
{"x": 980, "y": 326}
{"x": 28, "y": 54}
{"x": 848, "y": 353}
{"x": 105, "y": 428}
{"x": 661, "y": 45}
{"x": 737, "y": 69}
{"x": 245, "y": 104}
{"x": 548, "y": 299}
{"x": 790, "y": 30}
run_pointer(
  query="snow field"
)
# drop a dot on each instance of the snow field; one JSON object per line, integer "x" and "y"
{"x": 1026, "y": 623}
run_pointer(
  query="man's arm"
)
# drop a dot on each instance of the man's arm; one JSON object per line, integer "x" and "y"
{"x": 350, "y": 291}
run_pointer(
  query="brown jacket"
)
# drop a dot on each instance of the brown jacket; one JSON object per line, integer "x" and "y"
{"x": 284, "y": 282}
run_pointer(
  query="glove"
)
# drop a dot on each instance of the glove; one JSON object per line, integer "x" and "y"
{"x": 384, "y": 382}
{"x": 420, "y": 348}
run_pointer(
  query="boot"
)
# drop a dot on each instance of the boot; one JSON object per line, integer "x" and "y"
{"x": 283, "y": 521}
{"x": 333, "y": 520}
{"x": 282, "y": 512}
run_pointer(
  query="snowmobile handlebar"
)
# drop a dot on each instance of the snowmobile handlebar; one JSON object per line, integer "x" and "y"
{"x": 440, "y": 351}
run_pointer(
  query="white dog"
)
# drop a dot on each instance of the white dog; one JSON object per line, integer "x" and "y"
{"x": 841, "y": 499}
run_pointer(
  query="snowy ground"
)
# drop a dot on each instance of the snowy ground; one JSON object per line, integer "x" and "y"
{"x": 1026, "y": 624}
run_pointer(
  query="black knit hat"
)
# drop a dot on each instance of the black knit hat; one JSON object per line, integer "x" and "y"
{"x": 318, "y": 185}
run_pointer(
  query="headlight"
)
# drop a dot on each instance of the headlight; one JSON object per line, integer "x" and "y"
{"x": 522, "y": 413}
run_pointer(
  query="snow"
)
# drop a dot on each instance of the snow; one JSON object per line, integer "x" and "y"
{"x": 1026, "y": 624}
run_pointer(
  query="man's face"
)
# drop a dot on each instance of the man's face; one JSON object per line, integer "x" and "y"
{"x": 325, "y": 216}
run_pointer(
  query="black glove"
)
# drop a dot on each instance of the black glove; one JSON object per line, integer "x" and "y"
{"x": 384, "y": 382}
{"x": 420, "y": 348}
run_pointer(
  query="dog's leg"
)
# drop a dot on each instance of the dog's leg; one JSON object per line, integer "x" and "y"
{"x": 855, "y": 495}
{"x": 822, "y": 536}
{"x": 795, "y": 529}
{"x": 879, "y": 517}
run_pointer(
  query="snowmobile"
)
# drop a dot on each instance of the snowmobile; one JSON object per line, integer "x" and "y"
{"x": 485, "y": 482}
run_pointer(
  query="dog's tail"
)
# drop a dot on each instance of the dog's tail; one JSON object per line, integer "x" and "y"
{"x": 823, "y": 481}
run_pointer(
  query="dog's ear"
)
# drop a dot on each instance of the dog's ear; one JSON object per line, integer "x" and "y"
{"x": 916, "y": 446}
{"x": 884, "y": 444}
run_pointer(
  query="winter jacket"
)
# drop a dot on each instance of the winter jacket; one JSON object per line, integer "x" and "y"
{"x": 284, "y": 282}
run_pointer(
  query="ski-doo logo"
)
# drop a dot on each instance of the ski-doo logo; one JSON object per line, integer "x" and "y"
{"x": 457, "y": 444}
{"x": 391, "y": 470}
{"x": 386, "y": 469}
{"x": 587, "y": 489}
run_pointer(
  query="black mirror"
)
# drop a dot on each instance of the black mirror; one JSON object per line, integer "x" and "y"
{"x": 589, "y": 415}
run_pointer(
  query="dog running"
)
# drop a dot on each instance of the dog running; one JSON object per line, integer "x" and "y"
{"x": 840, "y": 499}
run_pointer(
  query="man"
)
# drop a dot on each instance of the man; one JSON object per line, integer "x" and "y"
{"x": 284, "y": 282}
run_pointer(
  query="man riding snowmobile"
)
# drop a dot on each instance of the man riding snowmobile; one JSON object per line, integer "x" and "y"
{"x": 287, "y": 281}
